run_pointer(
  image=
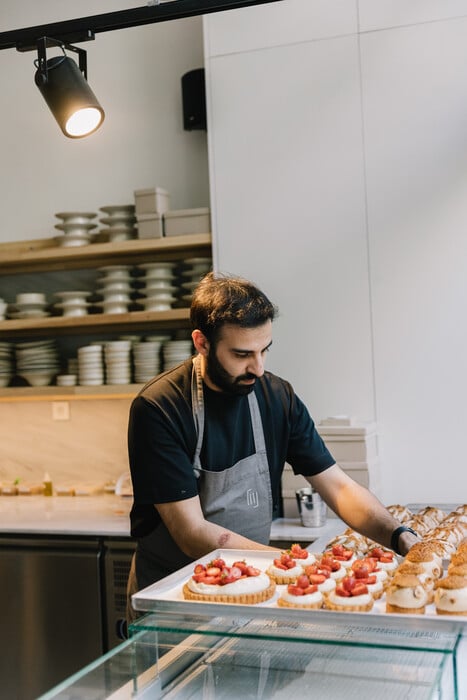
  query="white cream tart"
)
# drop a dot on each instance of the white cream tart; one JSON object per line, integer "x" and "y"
{"x": 451, "y": 596}
{"x": 309, "y": 600}
{"x": 251, "y": 584}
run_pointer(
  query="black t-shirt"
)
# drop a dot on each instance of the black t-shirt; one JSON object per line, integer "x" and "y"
{"x": 162, "y": 439}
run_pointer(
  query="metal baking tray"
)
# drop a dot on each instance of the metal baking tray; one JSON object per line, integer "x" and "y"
{"x": 167, "y": 596}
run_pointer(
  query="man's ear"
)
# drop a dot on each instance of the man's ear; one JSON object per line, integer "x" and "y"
{"x": 200, "y": 342}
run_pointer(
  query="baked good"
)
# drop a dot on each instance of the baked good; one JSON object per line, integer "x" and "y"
{"x": 367, "y": 572}
{"x": 219, "y": 583}
{"x": 336, "y": 569}
{"x": 350, "y": 596}
{"x": 344, "y": 554}
{"x": 350, "y": 540}
{"x": 405, "y": 594}
{"x": 386, "y": 559}
{"x": 321, "y": 577}
{"x": 401, "y": 513}
{"x": 301, "y": 556}
{"x": 285, "y": 569}
{"x": 451, "y": 595}
{"x": 418, "y": 570}
{"x": 457, "y": 569}
{"x": 301, "y": 594}
{"x": 424, "y": 553}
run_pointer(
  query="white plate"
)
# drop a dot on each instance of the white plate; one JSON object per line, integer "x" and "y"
{"x": 76, "y": 229}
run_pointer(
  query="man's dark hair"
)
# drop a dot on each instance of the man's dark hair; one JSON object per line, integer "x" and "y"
{"x": 222, "y": 299}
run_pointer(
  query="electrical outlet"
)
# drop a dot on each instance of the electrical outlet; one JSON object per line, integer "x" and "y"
{"x": 60, "y": 410}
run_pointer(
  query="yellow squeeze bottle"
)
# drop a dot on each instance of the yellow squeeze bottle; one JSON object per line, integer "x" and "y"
{"x": 48, "y": 490}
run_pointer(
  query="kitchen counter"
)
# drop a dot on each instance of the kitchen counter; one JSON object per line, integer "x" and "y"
{"x": 108, "y": 516}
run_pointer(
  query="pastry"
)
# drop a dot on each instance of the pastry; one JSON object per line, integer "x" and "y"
{"x": 418, "y": 570}
{"x": 401, "y": 513}
{"x": 386, "y": 559}
{"x": 350, "y": 596}
{"x": 321, "y": 577}
{"x": 405, "y": 594}
{"x": 301, "y": 556}
{"x": 343, "y": 554}
{"x": 219, "y": 583}
{"x": 457, "y": 569}
{"x": 367, "y": 572}
{"x": 336, "y": 569}
{"x": 424, "y": 553}
{"x": 285, "y": 569}
{"x": 451, "y": 595}
{"x": 301, "y": 594}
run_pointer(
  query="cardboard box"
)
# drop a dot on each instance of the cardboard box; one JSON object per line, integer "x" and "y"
{"x": 150, "y": 226}
{"x": 154, "y": 200}
{"x": 187, "y": 221}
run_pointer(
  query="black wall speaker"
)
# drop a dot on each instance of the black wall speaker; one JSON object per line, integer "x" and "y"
{"x": 194, "y": 100}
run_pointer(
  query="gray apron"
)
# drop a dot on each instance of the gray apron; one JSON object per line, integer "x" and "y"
{"x": 238, "y": 498}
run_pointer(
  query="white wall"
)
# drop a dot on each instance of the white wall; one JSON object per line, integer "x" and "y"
{"x": 135, "y": 74}
{"x": 338, "y": 165}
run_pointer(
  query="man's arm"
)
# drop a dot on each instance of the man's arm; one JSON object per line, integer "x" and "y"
{"x": 196, "y": 536}
{"x": 359, "y": 508}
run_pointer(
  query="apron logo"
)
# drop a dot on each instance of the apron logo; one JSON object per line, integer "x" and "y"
{"x": 252, "y": 498}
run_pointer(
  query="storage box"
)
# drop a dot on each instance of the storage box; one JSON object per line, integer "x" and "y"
{"x": 154, "y": 200}
{"x": 350, "y": 443}
{"x": 186, "y": 221}
{"x": 150, "y": 225}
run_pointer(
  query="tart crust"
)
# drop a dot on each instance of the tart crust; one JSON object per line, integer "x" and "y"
{"x": 312, "y": 606}
{"x": 348, "y": 608}
{"x": 244, "y": 598}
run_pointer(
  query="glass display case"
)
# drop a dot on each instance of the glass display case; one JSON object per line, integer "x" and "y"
{"x": 270, "y": 653}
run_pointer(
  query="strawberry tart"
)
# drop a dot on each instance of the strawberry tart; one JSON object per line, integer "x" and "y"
{"x": 285, "y": 569}
{"x": 386, "y": 559}
{"x": 301, "y": 594}
{"x": 219, "y": 583}
{"x": 350, "y": 596}
{"x": 366, "y": 571}
{"x": 321, "y": 577}
{"x": 343, "y": 554}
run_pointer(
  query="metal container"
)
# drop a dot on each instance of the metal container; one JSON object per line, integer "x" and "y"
{"x": 311, "y": 507}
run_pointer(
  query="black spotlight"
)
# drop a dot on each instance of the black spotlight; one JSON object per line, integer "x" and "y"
{"x": 65, "y": 89}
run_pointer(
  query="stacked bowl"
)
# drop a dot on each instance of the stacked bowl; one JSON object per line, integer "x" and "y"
{"x": 158, "y": 292}
{"x": 146, "y": 360}
{"x": 115, "y": 287}
{"x": 117, "y": 354}
{"x": 193, "y": 271}
{"x": 73, "y": 303}
{"x": 29, "y": 305}
{"x": 37, "y": 361}
{"x": 76, "y": 227}
{"x": 120, "y": 222}
{"x": 90, "y": 365}
{"x": 6, "y": 363}
{"x": 176, "y": 351}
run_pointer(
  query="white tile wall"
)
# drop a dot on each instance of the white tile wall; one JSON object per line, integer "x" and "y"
{"x": 278, "y": 24}
{"x": 382, "y": 14}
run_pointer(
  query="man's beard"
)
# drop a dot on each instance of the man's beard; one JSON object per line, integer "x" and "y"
{"x": 223, "y": 380}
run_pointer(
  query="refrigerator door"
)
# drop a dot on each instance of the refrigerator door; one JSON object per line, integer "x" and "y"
{"x": 51, "y": 611}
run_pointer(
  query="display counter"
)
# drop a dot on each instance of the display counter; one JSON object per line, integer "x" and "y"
{"x": 275, "y": 655}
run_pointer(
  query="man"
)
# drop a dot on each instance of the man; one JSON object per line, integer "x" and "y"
{"x": 208, "y": 441}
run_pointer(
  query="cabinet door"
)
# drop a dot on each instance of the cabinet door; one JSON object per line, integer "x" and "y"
{"x": 51, "y": 617}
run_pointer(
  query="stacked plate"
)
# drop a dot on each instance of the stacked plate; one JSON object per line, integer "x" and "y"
{"x": 146, "y": 360}
{"x": 90, "y": 365}
{"x": 115, "y": 286}
{"x": 6, "y": 363}
{"x": 194, "y": 271}
{"x": 76, "y": 227}
{"x": 117, "y": 355}
{"x": 120, "y": 222}
{"x": 37, "y": 361}
{"x": 159, "y": 286}
{"x": 176, "y": 351}
{"x": 73, "y": 303}
{"x": 29, "y": 305}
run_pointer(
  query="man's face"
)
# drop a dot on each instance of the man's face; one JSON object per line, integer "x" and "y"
{"x": 237, "y": 359}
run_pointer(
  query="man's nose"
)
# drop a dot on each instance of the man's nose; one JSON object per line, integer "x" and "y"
{"x": 256, "y": 365}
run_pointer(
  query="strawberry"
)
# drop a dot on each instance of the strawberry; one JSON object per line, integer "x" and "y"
{"x": 220, "y": 563}
{"x": 199, "y": 568}
{"x": 359, "y": 589}
{"x": 295, "y": 590}
{"x": 252, "y": 571}
{"x": 303, "y": 581}
{"x": 213, "y": 571}
{"x": 298, "y": 552}
{"x": 310, "y": 589}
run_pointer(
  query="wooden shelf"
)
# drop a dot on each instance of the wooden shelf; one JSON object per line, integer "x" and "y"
{"x": 95, "y": 323}
{"x": 69, "y": 393}
{"x": 45, "y": 255}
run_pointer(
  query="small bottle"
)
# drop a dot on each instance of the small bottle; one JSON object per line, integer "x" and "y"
{"x": 48, "y": 490}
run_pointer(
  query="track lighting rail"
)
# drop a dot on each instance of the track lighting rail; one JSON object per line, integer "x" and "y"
{"x": 84, "y": 28}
